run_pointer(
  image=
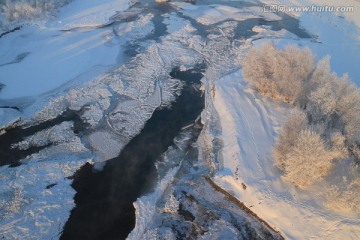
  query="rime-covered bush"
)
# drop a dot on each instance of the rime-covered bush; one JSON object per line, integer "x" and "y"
{"x": 257, "y": 69}
{"x": 335, "y": 102}
{"x": 25, "y": 10}
{"x": 308, "y": 159}
{"x": 279, "y": 73}
{"x": 325, "y": 125}
{"x": 326, "y": 107}
{"x": 296, "y": 122}
{"x": 303, "y": 154}
{"x": 346, "y": 198}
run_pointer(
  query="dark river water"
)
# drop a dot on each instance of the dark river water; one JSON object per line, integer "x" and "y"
{"x": 104, "y": 199}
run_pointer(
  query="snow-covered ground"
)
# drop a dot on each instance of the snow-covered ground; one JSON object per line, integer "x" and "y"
{"x": 351, "y": 15}
{"x": 75, "y": 62}
{"x": 36, "y": 197}
{"x": 249, "y": 125}
{"x": 240, "y": 130}
{"x": 66, "y": 55}
{"x": 336, "y": 34}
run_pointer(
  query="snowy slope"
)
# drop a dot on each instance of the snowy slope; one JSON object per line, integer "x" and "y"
{"x": 249, "y": 125}
{"x": 245, "y": 126}
{"x": 66, "y": 55}
{"x": 85, "y": 13}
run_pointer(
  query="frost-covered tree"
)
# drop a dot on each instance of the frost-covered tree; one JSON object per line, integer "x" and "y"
{"x": 334, "y": 101}
{"x": 309, "y": 159}
{"x": 322, "y": 92}
{"x": 292, "y": 67}
{"x": 24, "y": 10}
{"x": 325, "y": 124}
{"x": 296, "y": 122}
{"x": 348, "y": 108}
{"x": 258, "y": 69}
{"x": 346, "y": 197}
{"x": 322, "y": 103}
{"x": 278, "y": 73}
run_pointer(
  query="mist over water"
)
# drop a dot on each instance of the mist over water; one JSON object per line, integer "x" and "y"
{"x": 104, "y": 199}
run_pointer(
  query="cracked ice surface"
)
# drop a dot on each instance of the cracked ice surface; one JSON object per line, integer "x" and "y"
{"x": 122, "y": 100}
{"x": 29, "y": 207}
{"x": 113, "y": 106}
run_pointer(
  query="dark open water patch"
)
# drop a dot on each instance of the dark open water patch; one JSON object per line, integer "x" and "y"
{"x": 19, "y": 58}
{"x": 13, "y": 156}
{"x": 10, "y": 31}
{"x": 244, "y": 28}
{"x": 160, "y": 28}
{"x": 11, "y": 107}
{"x": 104, "y": 199}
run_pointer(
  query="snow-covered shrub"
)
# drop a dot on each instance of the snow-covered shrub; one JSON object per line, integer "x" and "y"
{"x": 322, "y": 103}
{"x": 25, "y": 10}
{"x": 347, "y": 198}
{"x": 348, "y": 108}
{"x": 324, "y": 92}
{"x": 257, "y": 69}
{"x": 308, "y": 160}
{"x": 311, "y": 140}
{"x": 296, "y": 122}
{"x": 325, "y": 126}
{"x": 335, "y": 102}
{"x": 279, "y": 73}
{"x": 291, "y": 70}
{"x": 303, "y": 153}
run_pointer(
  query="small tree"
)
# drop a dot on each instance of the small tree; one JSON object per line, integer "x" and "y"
{"x": 308, "y": 160}
{"x": 291, "y": 70}
{"x": 322, "y": 103}
{"x": 15, "y": 11}
{"x": 278, "y": 73}
{"x": 324, "y": 127}
{"x": 258, "y": 69}
{"x": 296, "y": 122}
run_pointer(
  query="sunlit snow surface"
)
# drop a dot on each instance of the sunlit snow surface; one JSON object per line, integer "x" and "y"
{"x": 109, "y": 63}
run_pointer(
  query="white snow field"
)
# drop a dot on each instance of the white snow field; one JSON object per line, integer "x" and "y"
{"x": 66, "y": 55}
{"x": 75, "y": 61}
{"x": 36, "y": 198}
{"x": 351, "y": 15}
{"x": 249, "y": 125}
